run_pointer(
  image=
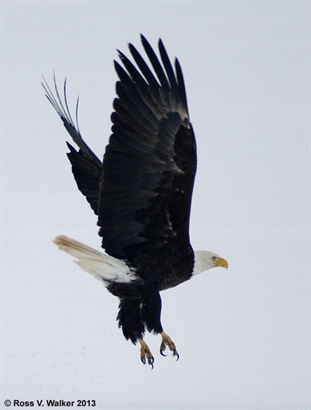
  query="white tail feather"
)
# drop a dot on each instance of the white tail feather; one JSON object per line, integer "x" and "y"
{"x": 102, "y": 266}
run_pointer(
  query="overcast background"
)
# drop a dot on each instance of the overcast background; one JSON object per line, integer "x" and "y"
{"x": 242, "y": 334}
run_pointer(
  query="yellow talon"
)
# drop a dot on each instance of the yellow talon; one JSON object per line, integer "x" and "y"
{"x": 168, "y": 342}
{"x": 145, "y": 353}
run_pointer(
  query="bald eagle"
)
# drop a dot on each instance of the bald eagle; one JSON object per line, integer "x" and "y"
{"x": 141, "y": 193}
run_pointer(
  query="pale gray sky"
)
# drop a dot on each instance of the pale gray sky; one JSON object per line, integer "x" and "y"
{"x": 242, "y": 335}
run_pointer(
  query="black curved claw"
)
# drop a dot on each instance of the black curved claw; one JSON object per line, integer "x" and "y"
{"x": 150, "y": 361}
{"x": 175, "y": 353}
{"x": 167, "y": 342}
{"x": 161, "y": 352}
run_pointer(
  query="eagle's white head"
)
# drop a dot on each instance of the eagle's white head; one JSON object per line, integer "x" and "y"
{"x": 204, "y": 260}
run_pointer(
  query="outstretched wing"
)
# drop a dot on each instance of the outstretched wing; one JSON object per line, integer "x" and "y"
{"x": 143, "y": 201}
{"x": 150, "y": 161}
{"x": 86, "y": 167}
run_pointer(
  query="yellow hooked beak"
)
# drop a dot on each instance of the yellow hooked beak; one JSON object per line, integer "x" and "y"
{"x": 222, "y": 263}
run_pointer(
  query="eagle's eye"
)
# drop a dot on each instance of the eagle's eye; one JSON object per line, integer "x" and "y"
{"x": 213, "y": 258}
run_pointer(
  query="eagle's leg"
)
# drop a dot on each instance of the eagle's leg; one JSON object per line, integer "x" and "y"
{"x": 145, "y": 353}
{"x": 151, "y": 313}
{"x": 168, "y": 342}
{"x": 130, "y": 321}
